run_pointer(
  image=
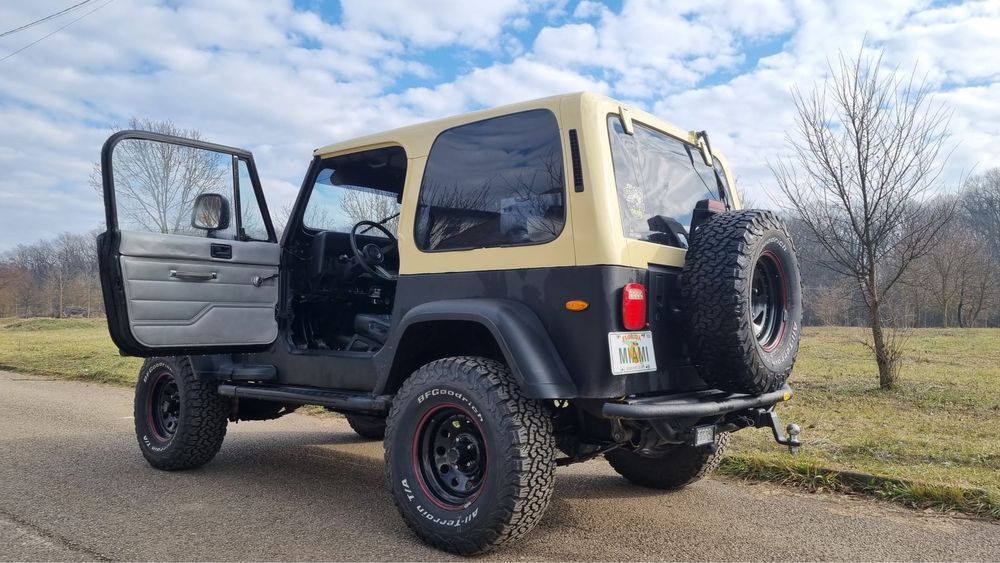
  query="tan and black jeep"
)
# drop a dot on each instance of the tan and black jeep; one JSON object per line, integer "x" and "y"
{"x": 494, "y": 294}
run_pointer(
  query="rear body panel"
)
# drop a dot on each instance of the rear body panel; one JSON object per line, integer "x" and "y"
{"x": 580, "y": 337}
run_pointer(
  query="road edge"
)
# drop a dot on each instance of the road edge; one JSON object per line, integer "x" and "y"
{"x": 971, "y": 501}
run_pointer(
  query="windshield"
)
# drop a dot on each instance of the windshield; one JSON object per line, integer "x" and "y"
{"x": 363, "y": 186}
{"x": 657, "y": 174}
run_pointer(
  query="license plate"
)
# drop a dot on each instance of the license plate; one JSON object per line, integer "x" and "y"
{"x": 631, "y": 352}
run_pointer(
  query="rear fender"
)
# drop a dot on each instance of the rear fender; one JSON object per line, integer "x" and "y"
{"x": 522, "y": 340}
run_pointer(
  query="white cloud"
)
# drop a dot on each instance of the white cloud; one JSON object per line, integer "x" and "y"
{"x": 281, "y": 80}
{"x": 436, "y": 23}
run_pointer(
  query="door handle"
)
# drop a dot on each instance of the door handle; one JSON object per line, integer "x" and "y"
{"x": 193, "y": 276}
{"x": 258, "y": 281}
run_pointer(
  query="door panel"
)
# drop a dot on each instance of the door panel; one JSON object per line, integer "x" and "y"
{"x": 181, "y": 267}
{"x": 167, "y": 308}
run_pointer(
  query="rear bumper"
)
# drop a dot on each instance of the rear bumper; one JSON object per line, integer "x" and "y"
{"x": 692, "y": 405}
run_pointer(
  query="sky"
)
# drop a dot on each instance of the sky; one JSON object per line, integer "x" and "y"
{"x": 282, "y": 77}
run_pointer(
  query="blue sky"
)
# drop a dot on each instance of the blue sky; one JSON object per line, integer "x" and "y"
{"x": 280, "y": 77}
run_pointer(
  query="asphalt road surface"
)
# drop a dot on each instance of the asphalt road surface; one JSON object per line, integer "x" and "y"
{"x": 73, "y": 486}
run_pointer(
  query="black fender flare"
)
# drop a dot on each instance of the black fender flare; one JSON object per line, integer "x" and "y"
{"x": 522, "y": 339}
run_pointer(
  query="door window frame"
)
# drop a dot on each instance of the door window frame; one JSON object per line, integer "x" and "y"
{"x": 236, "y": 154}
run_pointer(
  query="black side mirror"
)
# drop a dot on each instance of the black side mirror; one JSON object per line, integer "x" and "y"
{"x": 211, "y": 212}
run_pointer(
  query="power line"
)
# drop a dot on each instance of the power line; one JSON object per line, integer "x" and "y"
{"x": 57, "y": 30}
{"x": 45, "y": 19}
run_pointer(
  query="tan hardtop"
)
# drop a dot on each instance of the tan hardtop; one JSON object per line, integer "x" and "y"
{"x": 421, "y": 135}
{"x": 600, "y": 240}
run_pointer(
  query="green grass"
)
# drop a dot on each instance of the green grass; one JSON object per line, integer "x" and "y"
{"x": 934, "y": 439}
{"x": 932, "y": 442}
{"x": 66, "y": 348}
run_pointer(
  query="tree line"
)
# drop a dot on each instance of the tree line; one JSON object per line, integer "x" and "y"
{"x": 956, "y": 284}
{"x": 57, "y": 277}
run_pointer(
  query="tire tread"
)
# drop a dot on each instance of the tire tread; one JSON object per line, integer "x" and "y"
{"x": 715, "y": 289}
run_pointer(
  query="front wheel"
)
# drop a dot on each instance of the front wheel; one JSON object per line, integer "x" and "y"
{"x": 469, "y": 459}
{"x": 180, "y": 421}
{"x": 673, "y": 468}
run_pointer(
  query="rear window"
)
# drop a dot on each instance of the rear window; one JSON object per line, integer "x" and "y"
{"x": 657, "y": 174}
{"x": 496, "y": 182}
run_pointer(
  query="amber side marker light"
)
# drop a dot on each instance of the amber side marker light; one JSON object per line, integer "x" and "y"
{"x": 577, "y": 305}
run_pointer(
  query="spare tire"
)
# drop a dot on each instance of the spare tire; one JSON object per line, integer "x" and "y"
{"x": 743, "y": 301}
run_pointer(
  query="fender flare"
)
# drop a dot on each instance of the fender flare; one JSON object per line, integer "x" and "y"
{"x": 522, "y": 339}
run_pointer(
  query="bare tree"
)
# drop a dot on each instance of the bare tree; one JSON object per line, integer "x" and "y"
{"x": 981, "y": 207}
{"x": 15, "y": 283}
{"x": 55, "y": 277}
{"x": 746, "y": 200}
{"x": 866, "y": 156}
{"x": 156, "y": 183}
{"x": 368, "y": 204}
{"x": 958, "y": 275}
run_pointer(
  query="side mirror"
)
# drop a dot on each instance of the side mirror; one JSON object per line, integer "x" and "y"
{"x": 211, "y": 212}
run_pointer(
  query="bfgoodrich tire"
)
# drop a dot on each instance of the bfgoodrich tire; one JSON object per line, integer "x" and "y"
{"x": 673, "y": 468}
{"x": 366, "y": 426}
{"x": 742, "y": 299}
{"x": 180, "y": 421}
{"x": 468, "y": 458}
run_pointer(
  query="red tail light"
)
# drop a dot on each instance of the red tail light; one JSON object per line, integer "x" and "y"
{"x": 634, "y": 306}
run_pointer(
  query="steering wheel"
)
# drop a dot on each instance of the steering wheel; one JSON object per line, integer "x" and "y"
{"x": 371, "y": 256}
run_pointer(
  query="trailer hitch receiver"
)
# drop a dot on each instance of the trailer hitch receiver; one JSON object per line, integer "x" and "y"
{"x": 769, "y": 418}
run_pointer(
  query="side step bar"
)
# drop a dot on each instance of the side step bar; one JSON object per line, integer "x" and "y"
{"x": 338, "y": 400}
{"x": 693, "y": 405}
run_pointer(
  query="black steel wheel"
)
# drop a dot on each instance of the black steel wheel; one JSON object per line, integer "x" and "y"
{"x": 469, "y": 459}
{"x": 180, "y": 421}
{"x": 164, "y": 409}
{"x": 451, "y": 455}
{"x": 768, "y": 300}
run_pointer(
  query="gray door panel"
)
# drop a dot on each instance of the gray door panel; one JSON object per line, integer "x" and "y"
{"x": 220, "y": 306}
{"x": 157, "y": 245}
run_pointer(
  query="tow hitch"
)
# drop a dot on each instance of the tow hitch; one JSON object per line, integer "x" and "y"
{"x": 769, "y": 418}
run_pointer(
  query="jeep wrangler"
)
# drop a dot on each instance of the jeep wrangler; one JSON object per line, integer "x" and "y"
{"x": 493, "y": 295}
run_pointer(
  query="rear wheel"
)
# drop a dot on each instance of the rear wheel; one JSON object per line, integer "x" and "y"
{"x": 672, "y": 468}
{"x": 468, "y": 458}
{"x": 180, "y": 421}
{"x": 367, "y": 426}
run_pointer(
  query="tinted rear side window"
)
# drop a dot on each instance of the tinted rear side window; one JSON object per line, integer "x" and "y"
{"x": 497, "y": 182}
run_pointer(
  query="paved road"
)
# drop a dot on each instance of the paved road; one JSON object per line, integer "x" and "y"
{"x": 74, "y": 487}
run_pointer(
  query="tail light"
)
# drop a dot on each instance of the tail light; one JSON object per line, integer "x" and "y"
{"x": 634, "y": 306}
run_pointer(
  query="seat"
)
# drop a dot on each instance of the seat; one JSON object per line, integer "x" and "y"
{"x": 374, "y": 327}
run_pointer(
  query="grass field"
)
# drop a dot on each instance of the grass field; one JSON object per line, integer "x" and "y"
{"x": 939, "y": 428}
{"x": 938, "y": 432}
{"x": 67, "y": 348}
